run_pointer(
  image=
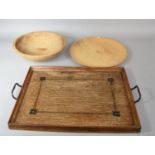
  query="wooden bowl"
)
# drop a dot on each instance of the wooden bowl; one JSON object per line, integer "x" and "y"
{"x": 98, "y": 52}
{"x": 39, "y": 46}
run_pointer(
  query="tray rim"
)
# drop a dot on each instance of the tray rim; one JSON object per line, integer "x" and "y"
{"x": 13, "y": 125}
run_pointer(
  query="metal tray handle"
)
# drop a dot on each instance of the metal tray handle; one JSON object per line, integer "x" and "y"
{"x": 140, "y": 96}
{"x": 14, "y": 87}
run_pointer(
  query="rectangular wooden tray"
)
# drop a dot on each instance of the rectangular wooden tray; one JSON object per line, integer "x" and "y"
{"x": 75, "y": 99}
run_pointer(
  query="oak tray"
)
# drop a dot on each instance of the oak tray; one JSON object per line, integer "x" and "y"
{"x": 75, "y": 99}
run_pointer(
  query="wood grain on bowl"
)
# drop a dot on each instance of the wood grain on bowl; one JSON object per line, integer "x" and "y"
{"x": 39, "y": 46}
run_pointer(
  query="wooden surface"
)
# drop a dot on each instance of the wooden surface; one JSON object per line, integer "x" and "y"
{"x": 39, "y": 46}
{"x": 75, "y": 99}
{"x": 98, "y": 52}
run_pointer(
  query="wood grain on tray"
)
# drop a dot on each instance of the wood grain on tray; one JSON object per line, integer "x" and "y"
{"x": 75, "y": 99}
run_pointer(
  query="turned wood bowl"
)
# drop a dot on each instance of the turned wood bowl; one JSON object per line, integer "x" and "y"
{"x": 39, "y": 46}
{"x": 98, "y": 52}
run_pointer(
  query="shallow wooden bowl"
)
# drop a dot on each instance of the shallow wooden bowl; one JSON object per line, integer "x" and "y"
{"x": 39, "y": 46}
{"x": 98, "y": 52}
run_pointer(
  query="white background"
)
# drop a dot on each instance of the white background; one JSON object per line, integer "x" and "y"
{"x": 137, "y": 35}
